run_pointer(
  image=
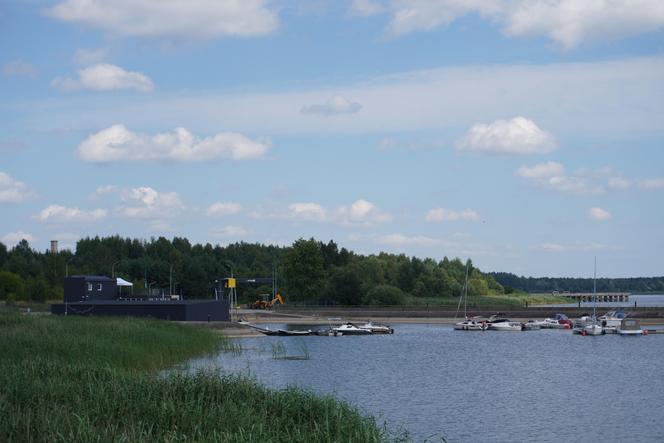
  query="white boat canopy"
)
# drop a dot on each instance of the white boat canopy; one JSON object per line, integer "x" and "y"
{"x": 123, "y": 282}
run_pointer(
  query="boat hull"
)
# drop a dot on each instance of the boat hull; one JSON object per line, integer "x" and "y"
{"x": 633, "y": 333}
{"x": 505, "y": 326}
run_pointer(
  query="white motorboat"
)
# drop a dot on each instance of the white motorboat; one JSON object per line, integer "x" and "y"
{"x": 580, "y": 324}
{"x": 552, "y": 323}
{"x": 472, "y": 324}
{"x": 630, "y": 326}
{"x": 505, "y": 326}
{"x": 612, "y": 319}
{"x": 559, "y": 321}
{"x": 593, "y": 329}
{"x": 350, "y": 329}
{"x": 532, "y": 325}
{"x": 376, "y": 329}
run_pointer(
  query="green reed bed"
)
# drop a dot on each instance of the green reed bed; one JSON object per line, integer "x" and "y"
{"x": 96, "y": 379}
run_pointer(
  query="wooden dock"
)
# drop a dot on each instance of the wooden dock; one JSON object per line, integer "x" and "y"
{"x": 601, "y": 297}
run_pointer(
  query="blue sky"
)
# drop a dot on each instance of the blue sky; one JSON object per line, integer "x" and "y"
{"x": 524, "y": 134}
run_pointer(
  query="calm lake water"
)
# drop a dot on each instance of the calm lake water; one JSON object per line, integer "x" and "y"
{"x": 545, "y": 386}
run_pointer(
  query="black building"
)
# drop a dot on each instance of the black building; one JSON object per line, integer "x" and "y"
{"x": 89, "y": 287}
{"x": 98, "y": 295}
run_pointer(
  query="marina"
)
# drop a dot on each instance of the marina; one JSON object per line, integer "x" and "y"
{"x": 435, "y": 381}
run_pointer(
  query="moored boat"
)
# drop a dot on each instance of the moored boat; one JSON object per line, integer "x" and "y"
{"x": 504, "y": 324}
{"x": 376, "y": 329}
{"x": 350, "y": 329}
{"x": 293, "y": 332}
{"x": 552, "y": 323}
{"x": 612, "y": 319}
{"x": 472, "y": 324}
{"x": 587, "y": 325}
{"x": 630, "y": 326}
{"x": 532, "y": 325}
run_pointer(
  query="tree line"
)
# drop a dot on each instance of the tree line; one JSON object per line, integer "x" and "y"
{"x": 565, "y": 284}
{"x": 308, "y": 271}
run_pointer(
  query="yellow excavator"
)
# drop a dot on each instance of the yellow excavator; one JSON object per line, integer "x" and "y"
{"x": 265, "y": 303}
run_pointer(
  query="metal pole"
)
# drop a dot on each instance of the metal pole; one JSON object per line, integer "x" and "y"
{"x": 170, "y": 282}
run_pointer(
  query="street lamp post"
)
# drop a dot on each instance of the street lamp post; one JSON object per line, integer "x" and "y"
{"x": 150, "y": 284}
{"x": 170, "y": 281}
{"x": 113, "y": 268}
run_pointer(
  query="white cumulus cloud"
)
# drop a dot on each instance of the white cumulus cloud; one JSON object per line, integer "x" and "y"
{"x": 569, "y": 23}
{"x": 12, "y": 238}
{"x": 362, "y": 213}
{"x": 12, "y": 190}
{"x": 507, "y": 137}
{"x": 200, "y": 19}
{"x": 619, "y": 183}
{"x": 366, "y": 8}
{"x": 220, "y": 209}
{"x": 146, "y": 202}
{"x": 333, "y": 106}
{"x": 443, "y": 215}
{"x": 652, "y": 183}
{"x": 542, "y": 170}
{"x": 58, "y": 213}
{"x": 104, "y": 77}
{"x": 424, "y": 15}
{"x": 118, "y": 144}
{"x": 552, "y": 175}
{"x": 308, "y": 211}
{"x": 599, "y": 214}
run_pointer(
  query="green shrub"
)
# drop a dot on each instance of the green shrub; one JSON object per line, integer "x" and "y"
{"x": 385, "y": 295}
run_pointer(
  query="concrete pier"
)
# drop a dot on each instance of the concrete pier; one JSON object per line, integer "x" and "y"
{"x": 602, "y": 297}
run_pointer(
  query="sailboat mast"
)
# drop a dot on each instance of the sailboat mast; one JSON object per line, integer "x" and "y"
{"x": 465, "y": 293}
{"x": 595, "y": 287}
{"x": 464, "y": 296}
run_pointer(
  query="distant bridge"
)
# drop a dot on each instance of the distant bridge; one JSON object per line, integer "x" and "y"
{"x": 602, "y": 297}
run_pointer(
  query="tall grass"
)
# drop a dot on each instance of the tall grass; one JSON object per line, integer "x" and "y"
{"x": 96, "y": 379}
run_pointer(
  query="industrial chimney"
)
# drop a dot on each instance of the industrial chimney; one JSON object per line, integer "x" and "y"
{"x": 54, "y": 246}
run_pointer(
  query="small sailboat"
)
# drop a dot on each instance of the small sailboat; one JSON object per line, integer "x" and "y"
{"x": 592, "y": 326}
{"x": 470, "y": 323}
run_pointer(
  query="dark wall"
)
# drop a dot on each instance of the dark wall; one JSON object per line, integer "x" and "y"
{"x": 195, "y": 310}
{"x": 85, "y": 287}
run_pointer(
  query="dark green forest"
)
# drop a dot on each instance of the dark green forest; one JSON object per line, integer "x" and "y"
{"x": 549, "y": 284}
{"x": 308, "y": 271}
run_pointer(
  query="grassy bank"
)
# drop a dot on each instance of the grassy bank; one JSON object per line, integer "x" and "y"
{"x": 95, "y": 379}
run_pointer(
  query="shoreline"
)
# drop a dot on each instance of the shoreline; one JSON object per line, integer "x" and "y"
{"x": 236, "y": 330}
